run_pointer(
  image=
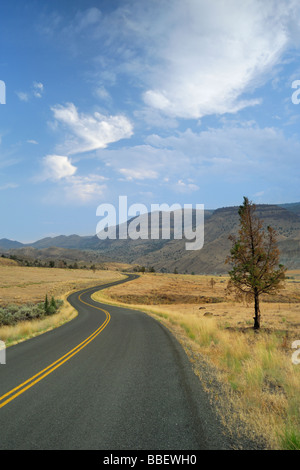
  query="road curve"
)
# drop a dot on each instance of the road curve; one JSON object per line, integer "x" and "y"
{"x": 111, "y": 379}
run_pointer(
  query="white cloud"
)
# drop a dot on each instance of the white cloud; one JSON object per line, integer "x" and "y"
{"x": 71, "y": 187}
{"x": 90, "y": 131}
{"x": 37, "y": 92}
{"x": 4, "y": 187}
{"x": 102, "y": 93}
{"x": 143, "y": 162}
{"x": 138, "y": 174}
{"x": 38, "y": 89}
{"x": 234, "y": 158}
{"x": 76, "y": 190}
{"x": 186, "y": 187}
{"x": 197, "y": 58}
{"x": 22, "y": 96}
{"x": 190, "y": 58}
{"x": 57, "y": 167}
{"x": 209, "y": 53}
{"x": 259, "y": 194}
{"x": 84, "y": 189}
{"x": 153, "y": 118}
{"x": 87, "y": 18}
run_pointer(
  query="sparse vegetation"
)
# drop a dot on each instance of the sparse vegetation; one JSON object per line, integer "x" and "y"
{"x": 253, "y": 385}
{"x": 13, "y": 314}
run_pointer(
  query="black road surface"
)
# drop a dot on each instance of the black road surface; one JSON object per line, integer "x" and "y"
{"x": 111, "y": 379}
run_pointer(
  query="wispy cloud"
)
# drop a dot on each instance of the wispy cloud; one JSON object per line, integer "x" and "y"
{"x": 86, "y": 19}
{"x": 186, "y": 186}
{"x": 138, "y": 174}
{"x": 145, "y": 162}
{"x": 210, "y": 53}
{"x": 36, "y": 92}
{"x": 38, "y": 89}
{"x": 81, "y": 189}
{"x": 193, "y": 59}
{"x": 22, "y": 96}
{"x": 90, "y": 131}
{"x": 84, "y": 189}
{"x": 4, "y": 187}
{"x": 237, "y": 157}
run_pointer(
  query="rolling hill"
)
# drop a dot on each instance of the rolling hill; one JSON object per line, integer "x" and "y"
{"x": 166, "y": 255}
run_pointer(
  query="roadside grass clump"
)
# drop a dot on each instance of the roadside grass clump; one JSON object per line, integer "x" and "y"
{"x": 188, "y": 330}
{"x": 13, "y": 314}
{"x": 264, "y": 385}
{"x": 290, "y": 439}
{"x": 205, "y": 331}
{"x": 234, "y": 357}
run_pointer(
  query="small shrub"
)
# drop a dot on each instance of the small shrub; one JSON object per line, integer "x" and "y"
{"x": 13, "y": 314}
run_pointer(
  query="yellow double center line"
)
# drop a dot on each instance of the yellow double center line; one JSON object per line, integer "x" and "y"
{"x": 14, "y": 393}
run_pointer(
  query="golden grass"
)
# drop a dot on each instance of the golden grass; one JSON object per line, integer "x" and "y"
{"x": 194, "y": 295}
{"x": 7, "y": 262}
{"x": 250, "y": 376}
{"x": 114, "y": 266}
{"x": 20, "y": 285}
{"x": 34, "y": 284}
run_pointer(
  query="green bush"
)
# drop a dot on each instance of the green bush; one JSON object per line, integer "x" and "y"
{"x": 13, "y": 314}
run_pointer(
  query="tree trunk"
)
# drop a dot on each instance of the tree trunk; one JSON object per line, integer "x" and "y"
{"x": 257, "y": 312}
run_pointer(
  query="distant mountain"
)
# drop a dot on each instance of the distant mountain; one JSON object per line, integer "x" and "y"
{"x": 211, "y": 259}
{"x": 74, "y": 242}
{"x": 166, "y": 255}
{"x": 6, "y": 244}
{"x": 69, "y": 256}
{"x": 292, "y": 207}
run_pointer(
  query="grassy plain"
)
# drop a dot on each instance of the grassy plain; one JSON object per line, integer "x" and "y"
{"x": 23, "y": 285}
{"x": 250, "y": 377}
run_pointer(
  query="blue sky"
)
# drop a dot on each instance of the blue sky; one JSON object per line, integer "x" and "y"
{"x": 163, "y": 101}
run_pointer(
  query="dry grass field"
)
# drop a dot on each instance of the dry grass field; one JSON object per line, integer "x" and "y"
{"x": 7, "y": 262}
{"x": 250, "y": 377}
{"x": 23, "y": 285}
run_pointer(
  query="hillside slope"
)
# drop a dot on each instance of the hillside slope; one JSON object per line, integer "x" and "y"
{"x": 225, "y": 221}
{"x": 168, "y": 254}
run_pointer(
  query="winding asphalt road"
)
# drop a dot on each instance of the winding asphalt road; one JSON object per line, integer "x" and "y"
{"x": 111, "y": 379}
